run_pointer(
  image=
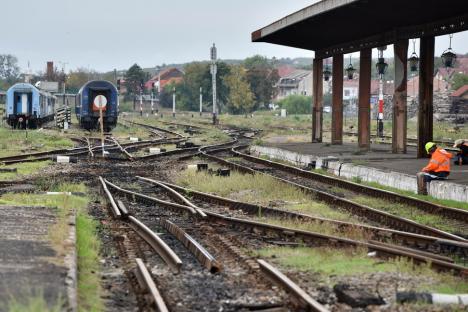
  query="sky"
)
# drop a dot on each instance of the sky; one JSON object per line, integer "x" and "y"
{"x": 107, "y": 34}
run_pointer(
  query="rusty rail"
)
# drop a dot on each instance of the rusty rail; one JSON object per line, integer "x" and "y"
{"x": 175, "y": 195}
{"x": 205, "y": 258}
{"x": 164, "y": 251}
{"x": 426, "y": 206}
{"x": 114, "y": 208}
{"x": 279, "y": 278}
{"x": 367, "y": 212}
{"x": 409, "y": 239}
{"x": 157, "y": 128}
{"x": 314, "y": 239}
{"x": 149, "y": 200}
{"x": 90, "y": 150}
{"x": 147, "y": 283}
{"x": 123, "y": 150}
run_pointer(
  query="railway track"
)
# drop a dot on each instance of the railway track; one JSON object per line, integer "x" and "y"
{"x": 266, "y": 231}
{"x": 89, "y": 149}
{"x": 159, "y": 129}
{"x": 426, "y": 206}
{"x": 434, "y": 245}
{"x": 363, "y": 211}
{"x": 260, "y": 295}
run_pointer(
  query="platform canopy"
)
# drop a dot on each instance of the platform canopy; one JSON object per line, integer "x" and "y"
{"x": 342, "y": 26}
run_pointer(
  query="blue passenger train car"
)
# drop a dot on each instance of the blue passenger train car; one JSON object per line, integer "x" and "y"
{"x": 88, "y": 114}
{"x": 28, "y": 107}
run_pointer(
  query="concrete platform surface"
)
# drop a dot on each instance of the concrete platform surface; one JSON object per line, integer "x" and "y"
{"x": 380, "y": 156}
{"x": 377, "y": 165}
{"x": 29, "y": 266}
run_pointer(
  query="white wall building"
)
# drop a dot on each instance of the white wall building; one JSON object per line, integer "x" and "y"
{"x": 298, "y": 82}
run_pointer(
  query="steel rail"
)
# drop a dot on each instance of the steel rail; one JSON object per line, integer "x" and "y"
{"x": 158, "y": 245}
{"x": 168, "y": 153}
{"x": 157, "y": 128}
{"x": 147, "y": 283}
{"x": 311, "y": 238}
{"x": 175, "y": 195}
{"x": 113, "y": 206}
{"x": 279, "y": 278}
{"x": 45, "y": 153}
{"x": 426, "y": 206}
{"x": 417, "y": 241}
{"x": 149, "y": 200}
{"x": 123, "y": 150}
{"x": 90, "y": 150}
{"x": 314, "y": 239}
{"x": 367, "y": 212}
{"x": 202, "y": 255}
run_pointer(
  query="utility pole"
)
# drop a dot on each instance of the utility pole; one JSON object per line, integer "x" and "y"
{"x": 214, "y": 69}
{"x": 201, "y": 101}
{"x": 152, "y": 104}
{"x": 141, "y": 98}
{"x": 173, "y": 102}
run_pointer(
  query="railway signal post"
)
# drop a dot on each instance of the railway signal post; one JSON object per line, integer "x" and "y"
{"x": 173, "y": 102}
{"x": 100, "y": 102}
{"x": 214, "y": 69}
{"x": 201, "y": 101}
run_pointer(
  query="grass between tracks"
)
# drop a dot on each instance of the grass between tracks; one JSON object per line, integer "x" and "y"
{"x": 258, "y": 189}
{"x": 23, "y": 169}
{"x": 13, "y": 142}
{"x": 87, "y": 241}
{"x": 403, "y": 210}
{"x": 331, "y": 262}
{"x": 443, "y": 202}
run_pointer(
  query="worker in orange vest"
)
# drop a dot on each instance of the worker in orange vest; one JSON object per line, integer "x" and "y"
{"x": 438, "y": 167}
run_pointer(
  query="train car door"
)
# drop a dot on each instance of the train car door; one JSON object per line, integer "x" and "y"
{"x": 22, "y": 103}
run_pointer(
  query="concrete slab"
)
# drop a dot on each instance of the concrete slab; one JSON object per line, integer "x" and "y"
{"x": 380, "y": 156}
{"x": 30, "y": 267}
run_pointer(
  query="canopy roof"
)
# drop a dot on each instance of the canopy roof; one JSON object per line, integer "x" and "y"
{"x": 342, "y": 26}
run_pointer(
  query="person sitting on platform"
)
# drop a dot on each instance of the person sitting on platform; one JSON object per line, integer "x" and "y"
{"x": 437, "y": 169}
{"x": 462, "y": 155}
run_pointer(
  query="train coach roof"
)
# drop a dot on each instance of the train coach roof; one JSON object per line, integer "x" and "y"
{"x": 28, "y": 86}
{"x": 23, "y": 85}
{"x": 98, "y": 84}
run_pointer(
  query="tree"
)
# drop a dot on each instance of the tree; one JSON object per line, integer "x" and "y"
{"x": 133, "y": 77}
{"x": 262, "y": 77}
{"x": 297, "y": 104}
{"x": 77, "y": 78}
{"x": 9, "y": 69}
{"x": 241, "y": 98}
{"x": 459, "y": 80}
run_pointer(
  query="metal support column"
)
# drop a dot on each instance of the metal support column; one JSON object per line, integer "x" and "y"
{"x": 337, "y": 105}
{"x": 426, "y": 87}
{"x": 399, "y": 97}
{"x": 365, "y": 63}
{"x": 317, "y": 107}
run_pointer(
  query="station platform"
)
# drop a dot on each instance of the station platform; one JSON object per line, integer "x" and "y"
{"x": 377, "y": 165}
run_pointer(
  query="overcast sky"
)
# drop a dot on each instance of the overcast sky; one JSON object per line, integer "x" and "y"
{"x": 107, "y": 34}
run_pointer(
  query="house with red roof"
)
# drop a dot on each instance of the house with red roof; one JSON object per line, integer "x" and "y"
{"x": 167, "y": 76}
{"x": 459, "y": 100}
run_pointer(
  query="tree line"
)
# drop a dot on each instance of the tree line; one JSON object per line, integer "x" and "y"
{"x": 241, "y": 88}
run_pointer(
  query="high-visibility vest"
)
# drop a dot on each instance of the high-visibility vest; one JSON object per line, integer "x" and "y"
{"x": 440, "y": 161}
